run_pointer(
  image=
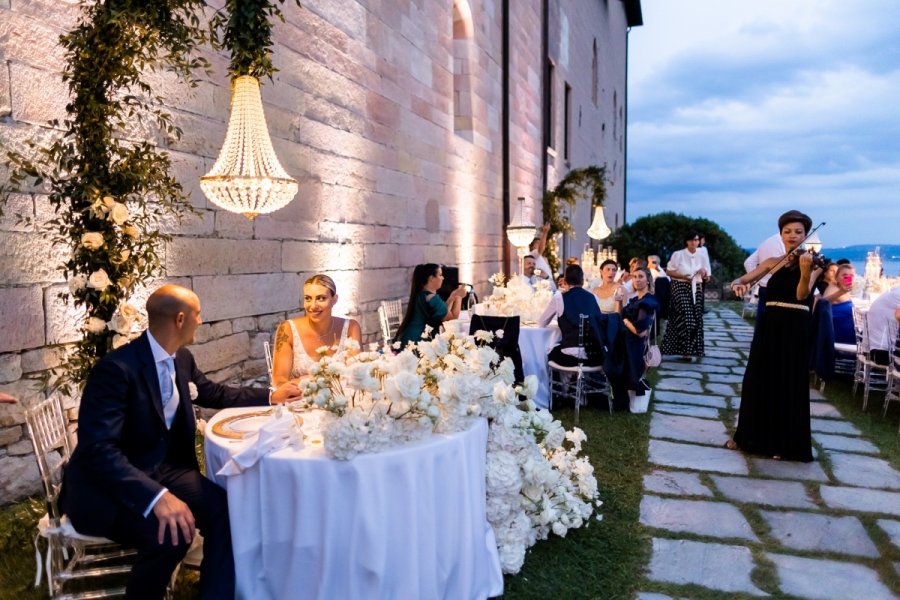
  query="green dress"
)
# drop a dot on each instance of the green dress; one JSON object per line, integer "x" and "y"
{"x": 427, "y": 311}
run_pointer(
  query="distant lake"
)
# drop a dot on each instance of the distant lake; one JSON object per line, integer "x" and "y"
{"x": 890, "y": 257}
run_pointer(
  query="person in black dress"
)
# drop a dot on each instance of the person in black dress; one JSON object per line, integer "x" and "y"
{"x": 774, "y": 415}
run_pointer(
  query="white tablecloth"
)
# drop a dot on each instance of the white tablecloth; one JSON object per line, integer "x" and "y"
{"x": 535, "y": 343}
{"x": 406, "y": 523}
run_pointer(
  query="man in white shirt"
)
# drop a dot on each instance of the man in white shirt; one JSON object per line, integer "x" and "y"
{"x": 655, "y": 268}
{"x": 536, "y": 251}
{"x": 530, "y": 272}
{"x": 885, "y": 309}
{"x": 771, "y": 247}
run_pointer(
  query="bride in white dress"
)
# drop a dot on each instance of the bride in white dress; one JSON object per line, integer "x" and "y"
{"x": 298, "y": 340}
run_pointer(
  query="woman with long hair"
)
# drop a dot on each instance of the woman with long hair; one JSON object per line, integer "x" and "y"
{"x": 638, "y": 315}
{"x": 425, "y": 308}
{"x": 774, "y": 414}
{"x": 302, "y": 341}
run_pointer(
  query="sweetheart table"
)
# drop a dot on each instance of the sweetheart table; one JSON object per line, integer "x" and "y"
{"x": 405, "y": 523}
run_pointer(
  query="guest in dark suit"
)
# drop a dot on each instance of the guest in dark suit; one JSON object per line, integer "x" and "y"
{"x": 133, "y": 476}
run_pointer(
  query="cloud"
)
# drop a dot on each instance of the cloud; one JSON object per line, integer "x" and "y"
{"x": 739, "y": 111}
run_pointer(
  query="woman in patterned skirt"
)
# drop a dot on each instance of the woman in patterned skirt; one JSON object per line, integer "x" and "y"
{"x": 688, "y": 269}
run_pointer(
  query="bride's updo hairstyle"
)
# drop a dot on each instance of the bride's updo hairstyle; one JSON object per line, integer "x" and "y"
{"x": 324, "y": 281}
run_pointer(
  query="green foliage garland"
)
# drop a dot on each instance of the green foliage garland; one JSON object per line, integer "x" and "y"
{"x": 109, "y": 193}
{"x": 587, "y": 182}
{"x": 247, "y": 33}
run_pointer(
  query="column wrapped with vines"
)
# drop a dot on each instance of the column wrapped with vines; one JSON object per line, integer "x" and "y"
{"x": 109, "y": 192}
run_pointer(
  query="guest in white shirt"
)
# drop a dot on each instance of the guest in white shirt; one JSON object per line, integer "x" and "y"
{"x": 656, "y": 269}
{"x": 531, "y": 272}
{"x": 536, "y": 251}
{"x": 885, "y": 309}
{"x": 688, "y": 269}
{"x": 771, "y": 247}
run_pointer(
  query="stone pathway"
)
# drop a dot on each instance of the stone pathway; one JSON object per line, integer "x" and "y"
{"x": 735, "y": 524}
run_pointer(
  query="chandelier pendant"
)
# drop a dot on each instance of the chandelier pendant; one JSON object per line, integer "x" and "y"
{"x": 599, "y": 230}
{"x": 247, "y": 177}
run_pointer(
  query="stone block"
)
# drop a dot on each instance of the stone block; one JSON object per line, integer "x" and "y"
{"x": 665, "y": 374}
{"x": 22, "y": 325}
{"x": 827, "y": 579}
{"x": 257, "y": 345}
{"x": 785, "y": 469}
{"x": 203, "y": 333}
{"x": 229, "y": 376}
{"x": 5, "y": 100}
{"x": 700, "y": 517}
{"x": 689, "y": 429}
{"x": 201, "y": 223}
{"x": 38, "y": 95}
{"x": 233, "y": 226}
{"x": 63, "y": 318}
{"x": 844, "y": 443}
{"x": 689, "y": 410}
{"x": 834, "y": 426}
{"x": 724, "y": 378}
{"x": 10, "y": 435}
{"x": 19, "y": 477}
{"x": 29, "y": 259}
{"x": 675, "y": 483}
{"x": 251, "y": 369}
{"x": 696, "y": 399}
{"x": 769, "y": 492}
{"x": 268, "y": 323}
{"x": 220, "y": 329}
{"x": 379, "y": 256}
{"x": 680, "y": 384}
{"x": 232, "y": 296}
{"x": 10, "y": 367}
{"x": 721, "y": 389}
{"x": 17, "y": 205}
{"x": 244, "y": 324}
{"x": 864, "y": 471}
{"x": 715, "y": 566}
{"x": 48, "y": 357}
{"x": 861, "y": 499}
{"x": 695, "y": 367}
{"x": 824, "y": 411}
{"x": 314, "y": 257}
{"x": 221, "y": 353}
{"x": 199, "y": 256}
{"x": 356, "y": 233}
{"x": 892, "y": 529}
{"x": 21, "y": 448}
{"x": 698, "y": 458}
{"x": 820, "y": 533}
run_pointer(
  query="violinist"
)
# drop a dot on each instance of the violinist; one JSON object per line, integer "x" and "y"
{"x": 774, "y": 414}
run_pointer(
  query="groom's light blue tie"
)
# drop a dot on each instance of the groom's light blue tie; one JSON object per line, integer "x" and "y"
{"x": 170, "y": 399}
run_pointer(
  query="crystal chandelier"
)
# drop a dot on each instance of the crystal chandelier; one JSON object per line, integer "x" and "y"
{"x": 599, "y": 229}
{"x": 521, "y": 233}
{"x": 247, "y": 177}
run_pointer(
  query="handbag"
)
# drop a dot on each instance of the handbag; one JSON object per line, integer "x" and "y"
{"x": 652, "y": 355}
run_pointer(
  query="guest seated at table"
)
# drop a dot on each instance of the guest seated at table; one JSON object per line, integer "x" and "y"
{"x": 627, "y": 287}
{"x": 561, "y": 284}
{"x": 654, "y": 263}
{"x": 425, "y": 308}
{"x": 828, "y": 276}
{"x": 133, "y": 476}
{"x": 637, "y": 319}
{"x": 609, "y": 294}
{"x": 885, "y": 308}
{"x": 566, "y": 308}
{"x": 838, "y": 293}
{"x": 298, "y": 340}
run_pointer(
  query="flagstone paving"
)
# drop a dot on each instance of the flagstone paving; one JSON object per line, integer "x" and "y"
{"x": 734, "y": 523}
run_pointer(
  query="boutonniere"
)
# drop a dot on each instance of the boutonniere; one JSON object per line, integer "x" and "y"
{"x": 192, "y": 388}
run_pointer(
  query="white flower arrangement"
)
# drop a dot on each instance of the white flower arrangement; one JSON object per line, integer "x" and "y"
{"x": 537, "y": 481}
{"x": 516, "y": 297}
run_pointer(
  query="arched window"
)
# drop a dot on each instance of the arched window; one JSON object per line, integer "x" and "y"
{"x": 463, "y": 32}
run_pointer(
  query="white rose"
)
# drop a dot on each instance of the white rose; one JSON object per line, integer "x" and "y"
{"x": 98, "y": 280}
{"x": 120, "y": 323}
{"x": 94, "y": 325}
{"x": 118, "y": 214}
{"x": 92, "y": 240}
{"x": 122, "y": 257}
{"x": 403, "y": 386}
{"x": 77, "y": 283}
{"x": 119, "y": 341}
{"x": 192, "y": 388}
{"x": 131, "y": 231}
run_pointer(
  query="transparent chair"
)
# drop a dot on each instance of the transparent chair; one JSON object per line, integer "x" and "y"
{"x": 70, "y": 555}
{"x": 588, "y": 379}
{"x": 390, "y": 314}
{"x": 873, "y": 376}
{"x": 750, "y": 301}
{"x": 893, "y": 386}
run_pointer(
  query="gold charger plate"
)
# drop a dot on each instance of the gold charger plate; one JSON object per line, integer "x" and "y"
{"x": 224, "y": 427}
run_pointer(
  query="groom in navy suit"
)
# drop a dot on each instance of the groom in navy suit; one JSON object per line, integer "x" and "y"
{"x": 133, "y": 476}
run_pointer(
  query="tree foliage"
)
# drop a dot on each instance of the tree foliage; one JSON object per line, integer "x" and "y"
{"x": 663, "y": 234}
{"x": 587, "y": 182}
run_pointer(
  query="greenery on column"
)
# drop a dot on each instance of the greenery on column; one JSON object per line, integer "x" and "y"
{"x": 587, "y": 182}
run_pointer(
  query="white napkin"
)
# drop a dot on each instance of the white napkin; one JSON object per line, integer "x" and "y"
{"x": 280, "y": 431}
{"x": 696, "y": 279}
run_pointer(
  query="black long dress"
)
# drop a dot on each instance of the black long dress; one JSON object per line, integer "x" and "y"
{"x": 774, "y": 416}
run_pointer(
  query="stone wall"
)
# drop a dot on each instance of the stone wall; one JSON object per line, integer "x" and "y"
{"x": 361, "y": 112}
